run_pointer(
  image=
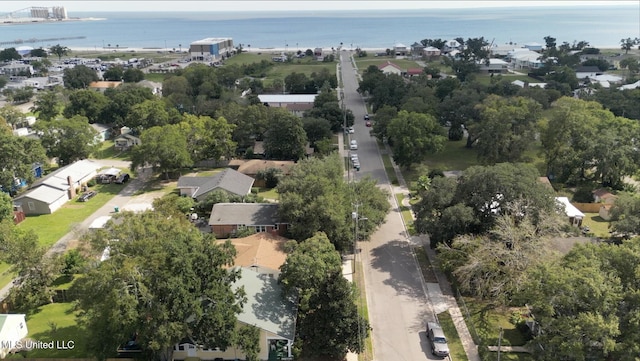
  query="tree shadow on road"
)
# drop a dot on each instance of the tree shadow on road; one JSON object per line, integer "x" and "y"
{"x": 396, "y": 259}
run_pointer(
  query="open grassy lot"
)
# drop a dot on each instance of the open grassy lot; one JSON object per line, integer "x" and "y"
{"x": 51, "y": 227}
{"x": 456, "y": 350}
{"x": 306, "y": 65}
{"x": 487, "y": 320}
{"x": 107, "y": 150}
{"x": 486, "y": 78}
{"x": 55, "y": 322}
{"x": 267, "y": 193}
{"x": 597, "y": 225}
{"x": 124, "y": 54}
{"x": 365, "y": 62}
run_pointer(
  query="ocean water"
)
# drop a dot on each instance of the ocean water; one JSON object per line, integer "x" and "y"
{"x": 601, "y": 26}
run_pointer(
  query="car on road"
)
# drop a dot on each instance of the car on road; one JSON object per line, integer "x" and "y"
{"x": 351, "y": 130}
{"x": 122, "y": 178}
{"x": 368, "y": 123}
{"x": 353, "y": 145}
{"x": 86, "y": 196}
{"x": 366, "y": 117}
{"x": 439, "y": 346}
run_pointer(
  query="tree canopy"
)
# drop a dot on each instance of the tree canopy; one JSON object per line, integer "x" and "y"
{"x": 67, "y": 139}
{"x": 414, "y": 136}
{"x": 164, "y": 281}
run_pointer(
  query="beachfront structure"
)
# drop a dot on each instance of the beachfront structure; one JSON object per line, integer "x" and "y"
{"x": 211, "y": 49}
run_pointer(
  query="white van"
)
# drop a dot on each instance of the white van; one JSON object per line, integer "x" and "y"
{"x": 353, "y": 145}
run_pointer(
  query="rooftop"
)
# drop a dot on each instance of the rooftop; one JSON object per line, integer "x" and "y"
{"x": 255, "y": 214}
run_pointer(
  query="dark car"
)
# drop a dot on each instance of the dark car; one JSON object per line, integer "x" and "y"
{"x": 86, "y": 196}
{"x": 122, "y": 178}
{"x": 366, "y": 117}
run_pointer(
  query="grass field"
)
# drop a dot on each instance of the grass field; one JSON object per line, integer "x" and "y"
{"x": 269, "y": 193}
{"x": 388, "y": 167}
{"x": 358, "y": 278}
{"x": 55, "y": 322}
{"x": 51, "y": 227}
{"x": 456, "y": 350}
{"x": 487, "y": 321}
{"x": 597, "y": 225}
{"x": 107, "y": 150}
{"x": 406, "y": 215}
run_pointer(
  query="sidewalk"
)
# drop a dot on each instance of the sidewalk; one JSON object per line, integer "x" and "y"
{"x": 440, "y": 294}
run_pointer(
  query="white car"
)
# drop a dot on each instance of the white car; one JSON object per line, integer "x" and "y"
{"x": 351, "y": 130}
{"x": 353, "y": 145}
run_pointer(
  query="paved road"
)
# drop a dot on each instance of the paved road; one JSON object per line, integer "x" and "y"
{"x": 397, "y": 301}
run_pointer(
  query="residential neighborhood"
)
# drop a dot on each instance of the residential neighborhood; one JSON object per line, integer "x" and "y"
{"x": 452, "y": 183}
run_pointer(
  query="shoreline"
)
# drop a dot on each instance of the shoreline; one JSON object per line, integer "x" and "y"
{"x": 252, "y": 50}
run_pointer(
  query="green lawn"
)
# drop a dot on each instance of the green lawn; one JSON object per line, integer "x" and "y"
{"x": 486, "y": 78}
{"x": 269, "y": 193}
{"x": 456, "y": 350}
{"x": 388, "y": 167}
{"x": 55, "y": 322}
{"x": 511, "y": 356}
{"x": 597, "y": 225}
{"x": 51, "y": 227}
{"x": 487, "y": 321}
{"x": 6, "y": 275}
{"x": 107, "y": 150}
{"x": 358, "y": 279}
{"x": 406, "y": 214}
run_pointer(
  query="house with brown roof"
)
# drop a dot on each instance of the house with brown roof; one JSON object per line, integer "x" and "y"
{"x": 252, "y": 167}
{"x": 603, "y": 196}
{"x": 263, "y": 252}
{"x": 228, "y": 180}
{"x": 229, "y": 218}
{"x": 101, "y": 86}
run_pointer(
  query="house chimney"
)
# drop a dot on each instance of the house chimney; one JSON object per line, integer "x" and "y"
{"x": 72, "y": 188}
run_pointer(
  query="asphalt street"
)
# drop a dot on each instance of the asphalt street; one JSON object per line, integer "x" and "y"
{"x": 396, "y": 294}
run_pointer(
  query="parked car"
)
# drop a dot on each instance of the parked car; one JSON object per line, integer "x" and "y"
{"x": 366, "y": 117}
{"x": 351, "y": 130}
{"x": 353, "y": 145}
{"x": 368, "y": 123}
{"x": 86, "y": 196}
{"x": 438, "y": 342}
{"x": 122, "y": 178}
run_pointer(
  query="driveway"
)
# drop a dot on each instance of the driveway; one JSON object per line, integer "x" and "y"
{"x": 125, "y": 200}
{"x": 396, "y": 294}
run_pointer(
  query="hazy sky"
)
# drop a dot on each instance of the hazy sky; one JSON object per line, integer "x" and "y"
{"x": 263, "y": 5}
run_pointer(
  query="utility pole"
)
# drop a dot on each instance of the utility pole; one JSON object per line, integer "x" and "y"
{"x": 499, "y": 343}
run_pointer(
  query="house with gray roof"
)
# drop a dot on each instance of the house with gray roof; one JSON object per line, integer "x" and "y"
{"x": 48, "y": 194}
{"x": 228, "y": 180}
{"x": 266, "y": 309}
{"x": 228, "y": 218}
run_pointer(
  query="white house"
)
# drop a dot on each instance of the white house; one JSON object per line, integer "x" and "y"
{"x": 495, "y": 66}
{"x": 51, "y": 192}
{"x": 295, "y": 103}
{"x": 574, "y": 214}
{"x": 431, "y": 51}
{"x": 103, "y": 132}
{"x": 523, "y": 84}
{"x": 524, "y": 58}
{"x": 400, "y": 49}
{"x": 533, "y": 46}
{"x": 584, "y": 72}
{"x": 13, "y": 328}
{"x": 605, "y": 80}
{"x": 390, "y": 68}
{"x": 452, "y": 44}
{"x": 635, "y": 85}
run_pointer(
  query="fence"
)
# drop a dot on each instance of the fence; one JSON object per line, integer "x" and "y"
{"x": 588, "y": 207}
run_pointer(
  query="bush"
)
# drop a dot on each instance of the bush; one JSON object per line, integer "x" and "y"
{"x": 583, "y": 195}
{"x": 255, "y": 190}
